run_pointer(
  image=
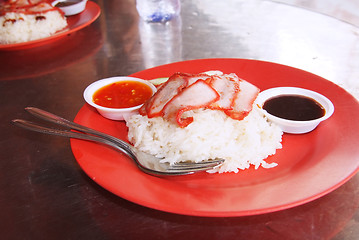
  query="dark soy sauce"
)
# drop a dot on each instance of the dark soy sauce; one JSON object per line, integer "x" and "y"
{"x": 66, "y": 3}
{"x": 294, "y": 107}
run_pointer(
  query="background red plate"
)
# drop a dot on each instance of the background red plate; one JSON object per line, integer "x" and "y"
{"x": 310, "y": 165}
{"x": 75, "y": 23}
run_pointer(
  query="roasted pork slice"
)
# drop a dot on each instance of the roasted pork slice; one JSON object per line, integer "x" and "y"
{"x": 198, "y": 95}
{"x": 244, "y": 100}
{"x": 227, "y": 87}
{"x": 171, "y": 88}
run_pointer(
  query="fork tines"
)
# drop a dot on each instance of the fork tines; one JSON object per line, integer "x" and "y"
{"x": 196, "y": 166}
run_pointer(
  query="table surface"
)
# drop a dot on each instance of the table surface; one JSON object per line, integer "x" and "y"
{"x": 46, "y": 195}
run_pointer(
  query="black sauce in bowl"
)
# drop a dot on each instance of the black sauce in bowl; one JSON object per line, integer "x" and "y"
{"x": 66, "y": 3}
{"x": 294, "y": 107}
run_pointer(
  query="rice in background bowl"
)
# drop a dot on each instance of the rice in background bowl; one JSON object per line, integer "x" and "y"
{"x": 23, "y": 24}
{"x": 211, "y": 135}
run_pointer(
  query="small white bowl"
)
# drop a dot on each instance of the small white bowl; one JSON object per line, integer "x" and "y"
{"x": 113, "y": 113}
{"x": 75, "y": 7}
{"x": 293, "y": 126}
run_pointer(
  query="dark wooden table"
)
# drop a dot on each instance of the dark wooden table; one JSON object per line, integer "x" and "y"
{"x": 46, "y": 195}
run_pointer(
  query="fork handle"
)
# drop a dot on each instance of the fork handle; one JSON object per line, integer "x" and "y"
{"x": 47, "y": 116}
{"x": 65, "y": 133}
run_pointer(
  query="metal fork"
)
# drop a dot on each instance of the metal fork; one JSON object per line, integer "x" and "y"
{"x": 146, "y": 162}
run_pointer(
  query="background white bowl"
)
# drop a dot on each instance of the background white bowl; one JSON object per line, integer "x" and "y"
{"x": 292, "y": 126}
{"x": 72, "y": 9}
{"x": 113, "y": 113}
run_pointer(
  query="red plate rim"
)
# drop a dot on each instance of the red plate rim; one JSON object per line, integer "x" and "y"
{"x": 310, "y": 165}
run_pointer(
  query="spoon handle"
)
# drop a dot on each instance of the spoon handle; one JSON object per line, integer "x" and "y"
{"x": 65, "y": 133}
{"x": 47, "y": 116}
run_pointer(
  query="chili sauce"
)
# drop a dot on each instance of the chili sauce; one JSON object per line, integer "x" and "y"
{"x": 123, "y": 94}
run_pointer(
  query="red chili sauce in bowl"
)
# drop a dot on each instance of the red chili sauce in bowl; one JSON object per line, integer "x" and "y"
{"x": 123, "y": 94}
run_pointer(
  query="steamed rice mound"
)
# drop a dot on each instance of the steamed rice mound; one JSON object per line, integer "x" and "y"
{"x": 211, "y": 135}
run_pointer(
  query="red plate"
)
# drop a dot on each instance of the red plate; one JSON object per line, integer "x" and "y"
{"x": 310, "y": 165}
{"x": 75, "y": 23}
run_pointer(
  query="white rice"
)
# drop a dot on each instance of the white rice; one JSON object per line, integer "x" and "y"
{"x": 19, "y": 27}
{"x": 211, "y": 135}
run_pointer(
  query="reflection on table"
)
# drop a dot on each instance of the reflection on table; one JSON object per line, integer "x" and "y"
{"x": 45, "y": 193}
